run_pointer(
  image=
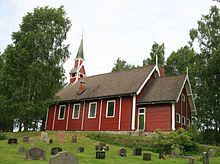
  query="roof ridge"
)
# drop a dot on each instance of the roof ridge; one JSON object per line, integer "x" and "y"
{"x": 116, "y": 72}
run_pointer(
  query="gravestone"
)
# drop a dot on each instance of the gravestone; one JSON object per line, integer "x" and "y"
{"x": 212, "y": 153}
{"x": 122, "y": 152}
{"x": 63, "y": 158}
{"x": 21, "y": 150}
{"x": 146, "y": 156}
{"x": 97, "y": 147}
{"x": 100, "y": 155}
{"x": 81, "y": 149}
{"x": 162, "y": 155}
{"x": 35, "y": 154}
{"x": 60, "y": 137}
{"x": 74, "y": 139}
{"x": 137, "y": 151}
{"x": 12, "y": 141}
{"x": 44, "y": 137}
{"x": 31, "y": 140}
{"x": 191, "y": 160}
{"x": 103, "y": 146}
{"x": 205, "y": 156}
{"x": 55, "y": 150}
{"x": 26, "y": 139}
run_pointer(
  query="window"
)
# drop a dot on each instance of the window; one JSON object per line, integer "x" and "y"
{"x": 183, "y": 120}
{"x": 76, "y": 111}
{"x": 188, "y": 122}
{"x": 92, "y": 110}
{"x": 183, "y": 97}
{"x": 178, "y": 118}
{"x": 110, "y": 109}
{"x": 61, "y": 112}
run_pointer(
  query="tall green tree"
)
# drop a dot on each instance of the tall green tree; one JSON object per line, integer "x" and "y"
{"x": 207, "y": 37}
{"x": 156, "y": 50}
{"x": 33, "y": 70}
{"x": 179, "y": 60}
{"x": 120, "y": 65}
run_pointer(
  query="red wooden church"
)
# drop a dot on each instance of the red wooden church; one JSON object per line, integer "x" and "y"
{"x": 138, "y": 99}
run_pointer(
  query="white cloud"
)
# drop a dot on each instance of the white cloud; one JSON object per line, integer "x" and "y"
{"x": 114, "y": 28}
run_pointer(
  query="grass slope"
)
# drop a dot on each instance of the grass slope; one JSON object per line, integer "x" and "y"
{"x": 8, "y": 153}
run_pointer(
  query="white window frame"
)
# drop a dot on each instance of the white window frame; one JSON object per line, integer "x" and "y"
{"x": 74, "y": 107}
{"x": 63, "y": 112}
{"x": 178, "y": 115}
{"x": 90, "y": 109}
{"x": 144, "y": 113}
{"x": 183, "y": 97}
{"x": 183, "y": 122}
{"x": 107, "y": 109}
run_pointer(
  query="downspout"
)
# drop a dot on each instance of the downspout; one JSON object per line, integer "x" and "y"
{"x": 133, "y": 112}
{"x": 173, "y": 116}
{"x": 45, "y": 126}
{"x": 54, "y": 116}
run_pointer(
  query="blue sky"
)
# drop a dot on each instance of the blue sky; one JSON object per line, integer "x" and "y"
{"x": 114, "y": 28}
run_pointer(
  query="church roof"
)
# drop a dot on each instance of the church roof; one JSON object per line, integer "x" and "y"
{"x": 80, "y": 51}
{"x": 162, "y": 89}
{"x": 107, "y": 85}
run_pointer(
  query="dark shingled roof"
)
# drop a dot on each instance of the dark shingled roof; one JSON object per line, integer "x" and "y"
{"x": 106, "y": 85}
{"x": 162, "y": 89}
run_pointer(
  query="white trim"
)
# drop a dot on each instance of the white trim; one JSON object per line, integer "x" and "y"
{"x": 54, "y": 116}
{"x": 183, "y": 118}
{"x": 173, "y": 116}
{"x": 74, "y": 111}
{"x": 145, "y": 81}
{"x": 133, "y": 112}
{"x": 90, "y": 109}
{"x": 67, "y": 119}
{"x": 178, "y": 97}
{"x": 63, "y": 112}
{"x": 100, "y": 115}
{"x": 144, "y": 117}
{"x": 45, "y": 126}
{"x": 106, "y": 115}
{"x": 119, "y": 117}
{"x": 178, "y": 115}
{"x": 84, "y": 104}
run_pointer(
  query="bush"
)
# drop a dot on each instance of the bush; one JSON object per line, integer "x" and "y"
{"x": 3, "y": 136}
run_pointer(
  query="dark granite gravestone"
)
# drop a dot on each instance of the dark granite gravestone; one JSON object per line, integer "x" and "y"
{"x": 100, "y": 155}
{"x": 55, "y": 150}
{"x": 44, "y": 137}
{"x": 12, "y": 141}
{"x": 26, "y": 139}
{"x": 137, "y": 151}
{"x": 21, "y": 150}
{"x": 122, "y": 152}
{"x": 81, "y": 149}
{"x": 74, "y": 139}
{"x": 205, "y": 156}
{"x": 146, "y": 156}
{"x": 63, "y": 158}
{"x": 60, "y": 137}
{"x": 35, "y": 154}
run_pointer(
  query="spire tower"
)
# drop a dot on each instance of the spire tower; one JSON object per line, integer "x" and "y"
{"x": 78, "y": 71}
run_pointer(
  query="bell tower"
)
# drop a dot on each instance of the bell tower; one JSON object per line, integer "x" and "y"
{"x": 78, "y": 71}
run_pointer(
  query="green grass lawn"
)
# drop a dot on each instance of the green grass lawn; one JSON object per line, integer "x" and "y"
{"x": 8, "y": 153}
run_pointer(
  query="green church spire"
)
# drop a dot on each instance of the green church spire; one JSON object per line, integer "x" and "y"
{"x": 80, "y": 51}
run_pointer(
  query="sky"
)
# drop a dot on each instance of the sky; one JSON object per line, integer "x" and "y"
{"x": 112, "y": 29}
